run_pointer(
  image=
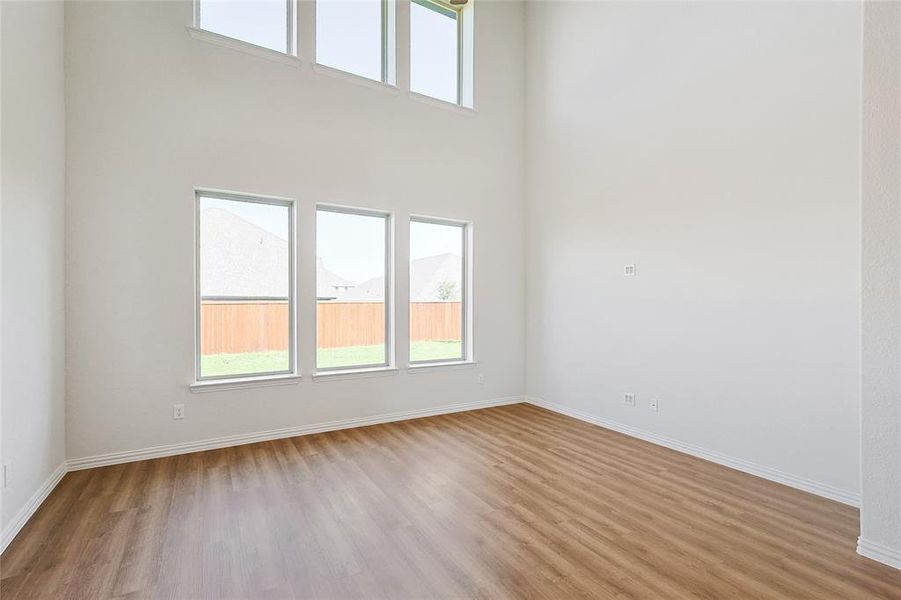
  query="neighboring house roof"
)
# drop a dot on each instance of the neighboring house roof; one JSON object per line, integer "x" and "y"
{"x": 238, "y": 258}
{"x": 328, "y": 284}
{"x": 427, "y": 277}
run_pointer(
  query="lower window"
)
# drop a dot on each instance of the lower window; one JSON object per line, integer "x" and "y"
{"x": 352, "y": 283}
{"x": 438, "y": 290}
{"x": 245, "y": 282}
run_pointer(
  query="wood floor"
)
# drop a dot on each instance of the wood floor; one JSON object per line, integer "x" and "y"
{"x": 510, "y": 502}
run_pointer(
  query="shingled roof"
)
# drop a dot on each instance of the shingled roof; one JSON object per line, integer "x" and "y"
{"x": 238, "y": 258}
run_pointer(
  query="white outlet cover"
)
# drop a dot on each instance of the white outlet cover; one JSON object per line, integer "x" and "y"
{"x": 652, "y": 404}
{"x": 629, "y": 270}
{"x": 178, "y": 411}
{"x": 629, "y": 399}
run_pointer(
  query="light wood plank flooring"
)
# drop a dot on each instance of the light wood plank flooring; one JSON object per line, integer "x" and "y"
{"x": 509, "y": 502}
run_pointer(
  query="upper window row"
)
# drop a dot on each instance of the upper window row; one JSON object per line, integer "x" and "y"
{"x": 355, "y": 36}
{"x": 246, "y": 288}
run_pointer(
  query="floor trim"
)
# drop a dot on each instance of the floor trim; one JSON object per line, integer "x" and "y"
{"x": 807, "y": 485}
{"x": 115, "y": 458}
{"x": 879, "y": 553}
{"x": 27, "y": 511}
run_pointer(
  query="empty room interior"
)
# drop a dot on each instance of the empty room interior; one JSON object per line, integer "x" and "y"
{"x": 402, "y": 299}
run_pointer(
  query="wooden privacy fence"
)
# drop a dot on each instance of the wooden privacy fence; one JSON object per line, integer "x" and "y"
{"x": 341, "y": 324}
{"x": 436, "y": 321}
{"x": 245, "y": 326}
{"x": 229, "y": 326}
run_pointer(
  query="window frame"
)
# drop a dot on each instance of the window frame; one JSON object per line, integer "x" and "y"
{"x": 442, "y": 8}
{"x": 290, "y": 25}
{"x": 291, "y": 205}
{"x": 465, "y": 292}
{"x": 387, "y": 14}
{"x": 388, "y": 217}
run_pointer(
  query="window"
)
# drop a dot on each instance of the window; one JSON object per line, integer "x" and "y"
{"x": 245, "y": 286}
{"x": 438, "y": 290}
{"x": 266, "y": 23}
{"x": 352, "y": 35}
{"x": 435, "y": 59}
{"x": 352, "y": 289}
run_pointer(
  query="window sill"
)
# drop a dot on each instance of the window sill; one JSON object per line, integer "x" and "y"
{"x": 354, "y": 373}
{"x": 216, "y": 385}
{"x": 426, "y": 367}
{"x": 242, "y": 46}
{"x": 451, "y": 106}
{"x": 354, "y": 78}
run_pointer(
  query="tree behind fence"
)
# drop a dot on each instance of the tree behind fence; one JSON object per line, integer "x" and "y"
{"x": 247, "y": 326}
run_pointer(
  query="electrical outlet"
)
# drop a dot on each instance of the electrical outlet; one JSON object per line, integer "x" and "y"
{"x": 481, "y": 378}
{"x": 6, "y": 475}
{"x": 652, "y": 404}
{"x": 629, "y": 399}
{"x": 628, "y": 270}
{"x": 178, "y": 411}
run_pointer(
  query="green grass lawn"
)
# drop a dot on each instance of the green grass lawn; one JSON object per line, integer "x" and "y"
{"x": 217, "y": 365}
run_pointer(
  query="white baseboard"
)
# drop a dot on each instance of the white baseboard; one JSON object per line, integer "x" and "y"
{"x": 114, "y": 458}
{"x": 801, "y": 483}
{"x": 878, "y": 552}
{"x": 18, "y": 522}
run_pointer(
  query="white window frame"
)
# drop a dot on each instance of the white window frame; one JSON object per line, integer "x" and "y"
{"x": 465, "y": 293}
{"x": 388, "y": 216}
{"x": 288, "y": 203}
{"x": 290, "y": 24}
{"x": 388, "y": 58}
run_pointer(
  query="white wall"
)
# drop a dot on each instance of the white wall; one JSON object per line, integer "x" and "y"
{"x": 152, "y": 112}
{"x": 880, "y": 536}
{"x": 715, "y": 146}
{"x": 33, "y": 266}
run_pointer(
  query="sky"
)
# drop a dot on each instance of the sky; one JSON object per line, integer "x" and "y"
{"x": 260, "y": 22}
{"x": 348, "y": 37}
{"x": 352, "y": 246}
{"x": 433, "y": 53}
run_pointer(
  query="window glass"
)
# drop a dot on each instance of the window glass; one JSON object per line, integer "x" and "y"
{"x": 260, "y": 22}
{"x": 433, "y": 50}
{"x": 349, "y": 36}
{"x": 351, "y": 285}
{"x": 437, "y": 291}
{"x": 245, "y": 287}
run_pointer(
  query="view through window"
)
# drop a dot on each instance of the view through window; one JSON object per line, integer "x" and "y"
{"x": 246, "y": 301}
{"x": 261, "y": 22}
{"x": 351, "y": 288}
{"x": 437, "y": 291}
{"x": 349, "y": 36}
{"x": 434, "y": 56}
